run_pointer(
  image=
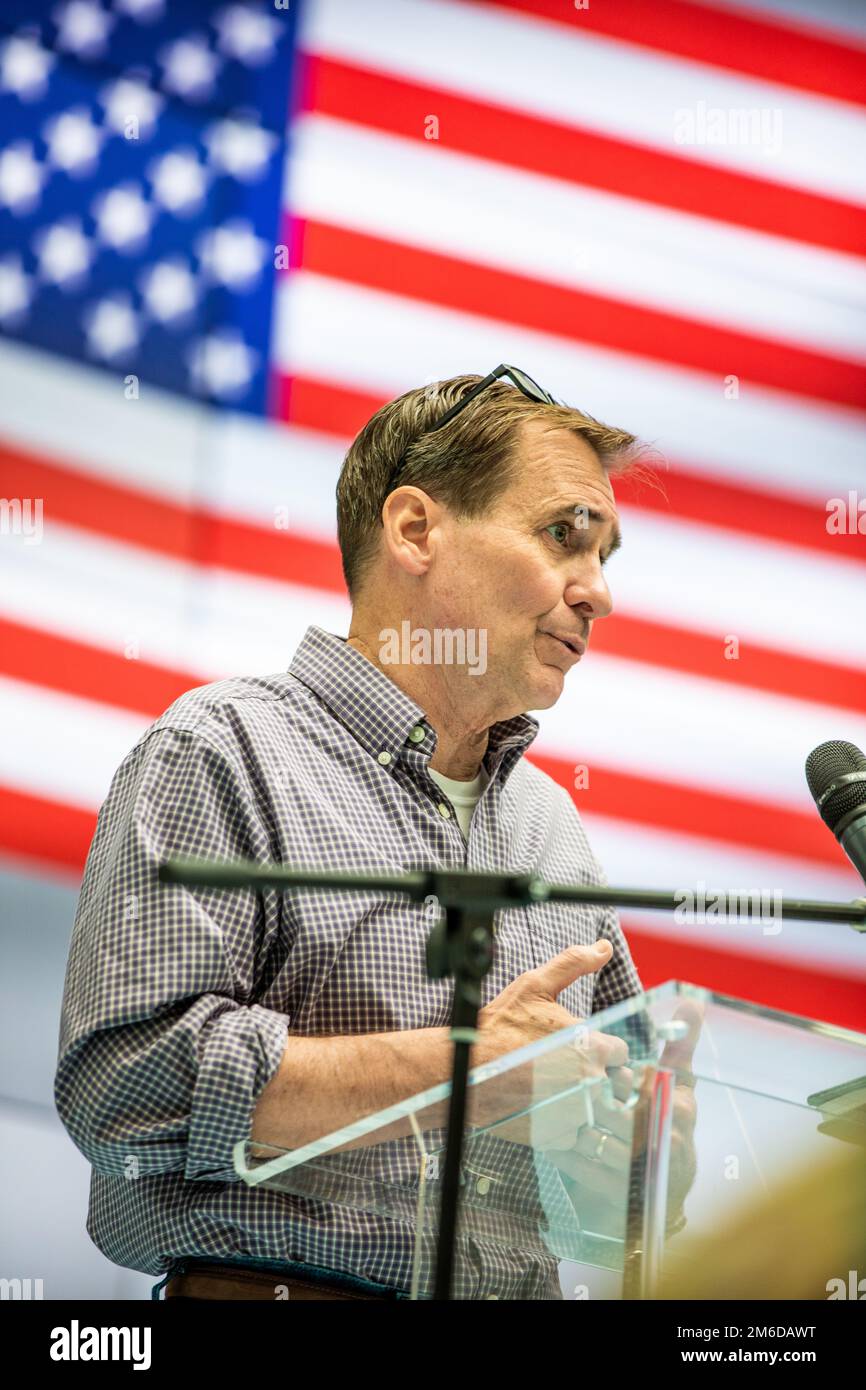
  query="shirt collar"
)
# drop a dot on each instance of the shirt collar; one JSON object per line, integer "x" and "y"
{"x": 376, "y": 711}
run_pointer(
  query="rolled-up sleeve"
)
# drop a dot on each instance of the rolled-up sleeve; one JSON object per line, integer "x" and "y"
{"x": 163, "y": 1048}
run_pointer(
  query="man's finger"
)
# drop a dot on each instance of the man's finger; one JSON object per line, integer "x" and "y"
{"x": 622, "y": 1082}
{"x": 678, "y": 1054}
{"x": 613, "y": 1115}
{"x": 556, "y": 974}
{"x": 604, "y": 1049}
{"x": 602, "y": 1147}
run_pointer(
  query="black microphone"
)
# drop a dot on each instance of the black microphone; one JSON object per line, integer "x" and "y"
{"x": 836, "y": 773}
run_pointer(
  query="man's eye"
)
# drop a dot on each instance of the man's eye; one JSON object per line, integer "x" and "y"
{"x": 561, "y": 526}
{"x": 578, "y": 537}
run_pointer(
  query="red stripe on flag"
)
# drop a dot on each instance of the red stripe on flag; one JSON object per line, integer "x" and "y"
{"x": 760, "y": 668}
{"x": 795, "y": 56}
{"x": 331, "y": 408}
{"x": 524, "y": 141}
{"x": 91, "y": 673}
{"x": 806, "y": 990}
{"x": 692, "y": 810}
{"x": 168, "y": 528}
{"x": 286, "y": 556}
{"x": 327, "y": 406}
{"x": 47, "y": 831}
{"x": 123, "y": 513}
{"x": 747, "y": 511}
{"x": 576, "y": 315}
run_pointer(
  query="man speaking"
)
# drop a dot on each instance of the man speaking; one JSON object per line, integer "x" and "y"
{"x": 475, "y": 519}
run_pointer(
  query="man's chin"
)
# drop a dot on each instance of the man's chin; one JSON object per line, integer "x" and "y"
{"x": 548, "y": 687}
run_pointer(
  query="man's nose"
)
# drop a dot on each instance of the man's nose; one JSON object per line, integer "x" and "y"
{"x": 590, "y": 595}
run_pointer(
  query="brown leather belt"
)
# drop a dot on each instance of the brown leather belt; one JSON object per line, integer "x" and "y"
{"x": 240, "y": 1282}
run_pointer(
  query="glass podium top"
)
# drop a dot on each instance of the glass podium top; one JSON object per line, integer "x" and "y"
{"x": 595, "y": 1159}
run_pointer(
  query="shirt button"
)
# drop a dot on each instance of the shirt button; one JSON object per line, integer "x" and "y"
{"x": 444, "y": 811}
{"x": 482, "y": 1187}
{"x": 492, "y": 1295}
{"x": 417, "y": 735}
{"x": 384, "y": 759}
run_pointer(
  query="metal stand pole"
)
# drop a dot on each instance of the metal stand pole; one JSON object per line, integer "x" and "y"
{"x": 462, "y": 946}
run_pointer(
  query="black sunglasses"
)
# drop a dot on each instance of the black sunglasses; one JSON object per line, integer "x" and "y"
{"x": 520, "y": 379}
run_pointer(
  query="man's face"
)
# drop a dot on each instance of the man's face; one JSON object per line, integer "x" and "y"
{"x": 532, "y": 568}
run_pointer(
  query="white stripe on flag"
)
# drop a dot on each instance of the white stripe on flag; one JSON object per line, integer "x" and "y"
{"x": 576, "y": 237}
{"x": 656, "y": 723}
{"x": 64, "y": 748}
{"x": 344, "y": 334}
{"x": 586, "y": 80}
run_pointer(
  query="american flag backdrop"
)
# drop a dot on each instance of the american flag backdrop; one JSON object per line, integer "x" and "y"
{"x": 229, "y": 232}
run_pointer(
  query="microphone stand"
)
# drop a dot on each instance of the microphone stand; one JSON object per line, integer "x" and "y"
{"x": 461, "y": 944}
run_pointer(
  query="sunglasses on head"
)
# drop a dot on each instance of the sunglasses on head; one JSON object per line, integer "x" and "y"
{"x": 521, "y": 380}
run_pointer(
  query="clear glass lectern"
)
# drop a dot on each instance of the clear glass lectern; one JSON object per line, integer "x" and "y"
{"x": 591, "y": 1168}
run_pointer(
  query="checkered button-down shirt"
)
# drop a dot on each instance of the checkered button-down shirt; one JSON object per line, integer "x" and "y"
{"x": 178, "y": 1001}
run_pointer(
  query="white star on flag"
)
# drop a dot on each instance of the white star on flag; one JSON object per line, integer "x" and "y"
{"x": 232, "y": 254}
{"x": 24, "y": 67}
{"x": 179, "y": 181}
{"x": 83, "y": 27}
{"x": 21, "y": 178}
{"x": 14, "y": 290}
{"x": 245, "y": 34}
{"x": 123, "y": 217}
{"x": 64, "y": 252}
{"x": 74, "y": 142}
{"x": 144, "y": 11}
{"x": 130, "y": 100}
{"x": 190, "y": 68}
{"x": 222, "y": 363}
{"x": 240, "y": 148}
{"x": 112, "y": 327}
{"x": 168, "y": 289}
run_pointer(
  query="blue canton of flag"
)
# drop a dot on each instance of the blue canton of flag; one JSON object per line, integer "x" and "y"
{"x": 141, "y": 171}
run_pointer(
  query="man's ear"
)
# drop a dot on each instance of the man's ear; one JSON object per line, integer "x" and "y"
{"x": 409, "y": 520}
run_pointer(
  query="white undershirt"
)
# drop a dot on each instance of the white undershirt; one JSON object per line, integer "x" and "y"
{"x": 463, "y": 796}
